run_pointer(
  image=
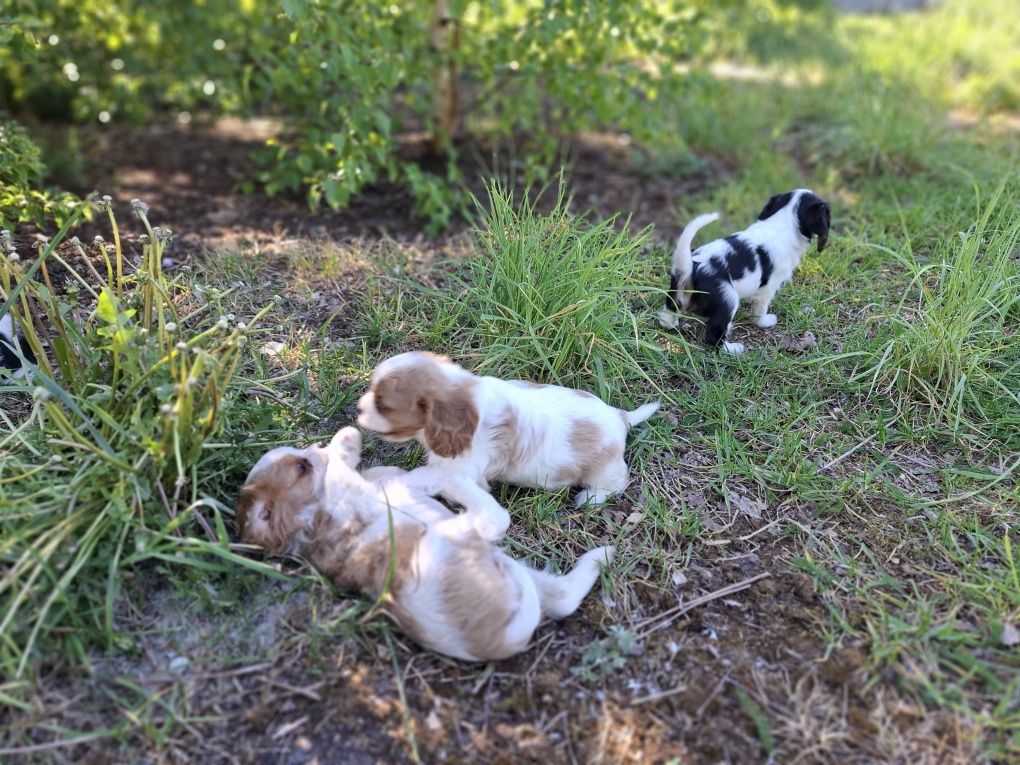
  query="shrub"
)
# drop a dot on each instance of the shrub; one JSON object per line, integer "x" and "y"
{"x": 91, "y": 60}
{"x": 359, "y": 74}
{"x": 21, "y": 171}
{"x": 102, "y": 472}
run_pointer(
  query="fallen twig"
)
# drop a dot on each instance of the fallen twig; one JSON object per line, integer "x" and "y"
{"x": 666, "y": 617}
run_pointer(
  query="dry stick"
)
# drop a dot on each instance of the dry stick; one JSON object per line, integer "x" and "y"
{"x": 844, "y": 455}
{"x": 658, "y": 696}
{"x": 49, "y": 745}
{"x": 671, "y": 614}
{"x": 308, "y": 693}
{"x": 711, "y": 696}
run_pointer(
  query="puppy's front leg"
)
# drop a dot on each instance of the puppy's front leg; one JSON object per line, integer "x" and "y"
{"x": 759, "y": 306}
{"x": 426, "y": 479}
{"x": 481, "y": 511}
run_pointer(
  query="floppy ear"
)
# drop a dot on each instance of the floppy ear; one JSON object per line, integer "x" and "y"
{"x": 450, "y": 421}
{"x": 776, "y": 203}
{"x": 245, "y": 502}
{"x": 815, "y": 221}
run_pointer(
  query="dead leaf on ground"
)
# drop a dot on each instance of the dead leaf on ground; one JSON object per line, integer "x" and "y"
{"x": 800, "y": 344}
{"x": 749, "y": 506}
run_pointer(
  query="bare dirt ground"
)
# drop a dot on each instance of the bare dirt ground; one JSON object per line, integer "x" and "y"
{"x": 726, "y": 641}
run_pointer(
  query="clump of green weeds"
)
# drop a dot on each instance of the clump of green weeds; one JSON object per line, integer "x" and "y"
{"x": 953, "y": 349}
{"x": 604, "y": 657}
{"x": 132, "y": 380}
{"x": 550, "y": 296}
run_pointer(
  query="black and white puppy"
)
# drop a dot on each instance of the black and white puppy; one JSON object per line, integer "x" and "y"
{"x": 10, "y": 339}
{"x": 749, "y": 265}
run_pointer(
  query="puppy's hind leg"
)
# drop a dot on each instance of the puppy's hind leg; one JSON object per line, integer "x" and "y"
{"x": 612, "y": 480}
{"x": 724, "y": 302}
{"x": 561, "y": 595}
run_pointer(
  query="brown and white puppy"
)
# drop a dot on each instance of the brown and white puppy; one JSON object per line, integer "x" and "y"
{"x": 452, "y": 589}
{"x": 542, "y": 436}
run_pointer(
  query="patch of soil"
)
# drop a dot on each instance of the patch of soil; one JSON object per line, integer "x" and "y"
{"x": 190, "y": 176}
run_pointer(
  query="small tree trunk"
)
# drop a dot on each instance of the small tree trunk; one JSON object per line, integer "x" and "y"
{"x": 445, "y": 39}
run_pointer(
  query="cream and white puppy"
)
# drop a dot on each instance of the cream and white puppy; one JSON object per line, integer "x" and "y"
{"x": 452, "y": 589}
{"x": 543, "y": 436}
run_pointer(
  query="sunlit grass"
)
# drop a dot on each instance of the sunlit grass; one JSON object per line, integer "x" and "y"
{"x": 954, "y": 349}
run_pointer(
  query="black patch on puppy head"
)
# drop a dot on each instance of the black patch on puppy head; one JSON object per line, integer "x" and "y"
{"x": 739, "y": 261}
{"x": 813, "y": 218}
{"x": 765, "y": 261}
{"x": 775, "y": 204}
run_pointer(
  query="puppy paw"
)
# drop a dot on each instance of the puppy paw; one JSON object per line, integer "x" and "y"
{"x": 733, "y": 348}
{"x": 492, "y": 525}
{"x": 589, "y": 497}
{"x": 767, "y": 320}
{"x": 668, "y": 319}
{"x": 347, "y": 444}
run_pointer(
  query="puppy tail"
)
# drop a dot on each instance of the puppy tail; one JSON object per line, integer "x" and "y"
{"x": 640, "y": 414}
{"x": 561, "y": 595}
{"x": 680, "y": 274}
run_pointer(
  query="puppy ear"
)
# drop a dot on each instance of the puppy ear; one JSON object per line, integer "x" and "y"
{"x": 815, "y": 219}
{"x": 776, "y": 203}
{"x": 450, "y": 421}
{"x": 245, "y": 503}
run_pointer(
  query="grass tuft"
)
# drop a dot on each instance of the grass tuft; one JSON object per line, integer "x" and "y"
{"x": 954, "y": 349}
{"x": 548, "y": 296}
{"x": 101, "y": 470}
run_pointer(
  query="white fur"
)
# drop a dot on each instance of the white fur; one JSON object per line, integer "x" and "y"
{"x": 545, "y": 415}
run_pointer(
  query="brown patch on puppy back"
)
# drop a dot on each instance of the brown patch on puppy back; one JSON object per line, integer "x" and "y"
{"x": 517, "y": 448}
{"x": 480, "y": 597}
{"x": 592, "y": 453}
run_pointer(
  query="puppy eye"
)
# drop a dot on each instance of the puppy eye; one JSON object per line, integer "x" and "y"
{"x": 265, "y": 514}
{"x": 303, "y": 466}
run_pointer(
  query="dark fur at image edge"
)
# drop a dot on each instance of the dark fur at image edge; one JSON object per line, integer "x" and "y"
{"x": 8, "y": 358}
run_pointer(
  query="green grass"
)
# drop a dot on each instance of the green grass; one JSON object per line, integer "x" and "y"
{"x": 108, "y": 465}
{"x": 883, "y": 462}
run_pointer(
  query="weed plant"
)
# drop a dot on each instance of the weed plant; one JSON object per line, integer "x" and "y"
{"x": 953, "y": 349}
{"x": 548, "y": 296}
{"x": 100, "y": 471}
